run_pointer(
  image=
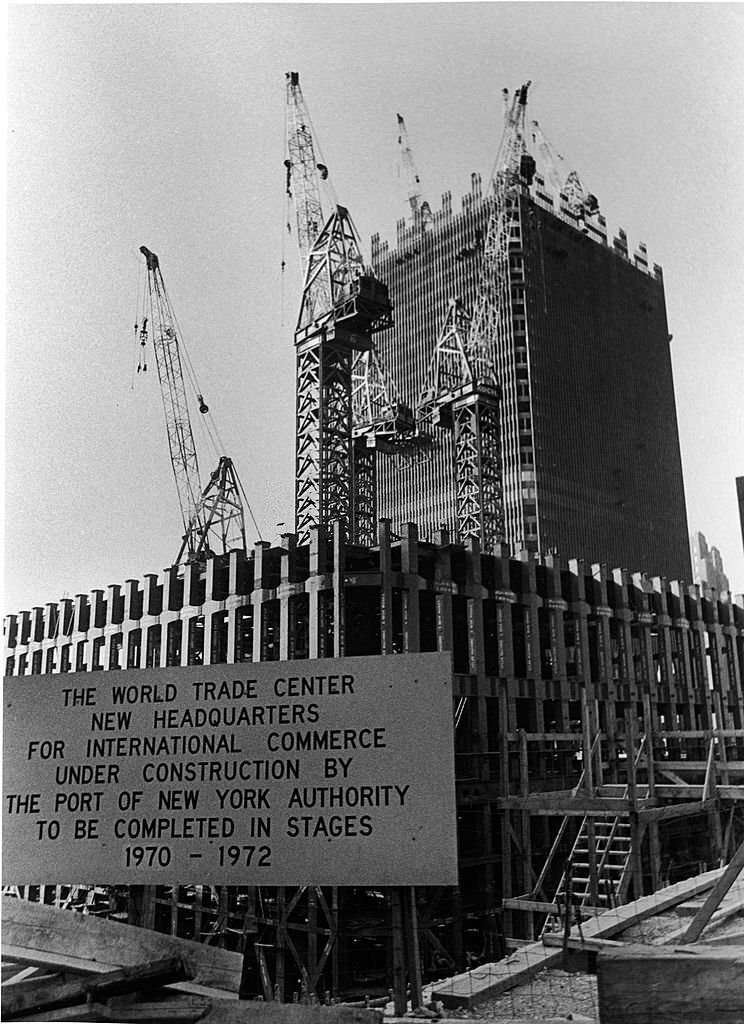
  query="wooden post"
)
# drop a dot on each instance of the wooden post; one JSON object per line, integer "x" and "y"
{"x": 279, "y": 942}
{"x": 636, "y": 829}
{"x": 312, "y": 934}
{"x": 141, "y": 911}
{"x": 653, "y": 826}
{"x": 408, "y": 901}
{"x": 506, "y": 862}
{"x": 400, "y": 997}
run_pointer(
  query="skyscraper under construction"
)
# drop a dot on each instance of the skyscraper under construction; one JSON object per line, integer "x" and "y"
{"x": 590, "y": 447}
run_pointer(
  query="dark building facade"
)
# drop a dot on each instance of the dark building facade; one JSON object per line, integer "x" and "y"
{"x": 590, "y": 447}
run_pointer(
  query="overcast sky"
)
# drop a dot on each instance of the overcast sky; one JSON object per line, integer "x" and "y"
{"x": 164, "y": 126}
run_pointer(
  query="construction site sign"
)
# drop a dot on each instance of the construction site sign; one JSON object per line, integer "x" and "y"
{"x": 330, "y": 772}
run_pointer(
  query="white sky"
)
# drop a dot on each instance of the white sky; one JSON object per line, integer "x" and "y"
{"x": 163, "y": 125}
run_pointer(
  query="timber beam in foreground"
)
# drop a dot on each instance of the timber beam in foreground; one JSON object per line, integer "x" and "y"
{"x": 671, "y": 985}
{"x": 490, "y": 980}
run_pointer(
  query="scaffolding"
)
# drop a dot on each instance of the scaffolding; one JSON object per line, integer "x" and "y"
{"x": 598, "y": 718}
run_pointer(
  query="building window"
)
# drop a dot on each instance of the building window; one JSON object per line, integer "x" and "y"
{"x": 64, "y": 661}
{"x": 173, "y": 643}
{"x": 98, "y": 645}
{"x": 270, "y": 631}
{"x": 36, "y": 663}
{"x": 218, "y": 653}
{"x": 196, "y": 641}
{"x": 117, "y": 642}
{"x": 134, "y": 648}
{"x": 244, "y": 633}
{"x": 50, "y": 660}
{"x": 152, "y": 655}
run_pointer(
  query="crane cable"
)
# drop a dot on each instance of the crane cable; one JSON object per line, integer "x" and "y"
{"x": 138, "y": 340}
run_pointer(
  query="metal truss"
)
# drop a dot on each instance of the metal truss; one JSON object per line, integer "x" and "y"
{"x": 219, "y": 522}
{"x": 477, "y": 445}
{"x": 364, "y": 487}
{"x": 376, "y": 405}
{"x": 323, "y": 437}
{"x": 449, "y": 369}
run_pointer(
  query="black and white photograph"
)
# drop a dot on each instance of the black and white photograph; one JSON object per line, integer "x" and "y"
{"x": 374, "y": 426}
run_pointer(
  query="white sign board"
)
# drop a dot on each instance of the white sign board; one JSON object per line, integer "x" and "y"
{"x": 333, "y": 772}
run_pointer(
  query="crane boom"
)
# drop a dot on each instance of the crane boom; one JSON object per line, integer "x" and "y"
{"x": 420, "y": 209}
{"x": 303, "y": 171}
{"x": 173, "y": 392}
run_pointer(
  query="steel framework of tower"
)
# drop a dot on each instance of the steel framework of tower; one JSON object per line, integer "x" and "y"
{"x": 341, "y": 308}
{"x": 213, "y": 520}
{"x": 464, "y": 385}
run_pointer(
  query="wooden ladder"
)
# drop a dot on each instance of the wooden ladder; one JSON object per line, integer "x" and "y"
{"x": 612, "y": 857}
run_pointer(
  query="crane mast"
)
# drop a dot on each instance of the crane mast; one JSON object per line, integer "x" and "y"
{"x": 213, "y": 519}
{"x": 342, "y": 306}
{"x": 336, "y": 382}
{"x": 463, "y": 389}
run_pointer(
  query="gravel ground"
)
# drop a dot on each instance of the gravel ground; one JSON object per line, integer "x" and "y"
{"x": 552, "y": 993}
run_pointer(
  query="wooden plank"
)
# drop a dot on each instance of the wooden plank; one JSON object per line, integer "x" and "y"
{"x": 247, "y": 1012}
{"x": 722, "y": 886}
{"x": 187, "y": 1011}
{"x": 649, "y": 814}
{"x": 548, "y": 803}
{"x": 534, "y": 906}
{"x": 577, "y": 942}
{"x": 699, "y": 985}
{"x": 53, "y": 992}
{"x": 62, "y": 933}
{"x": 56, "y": 961}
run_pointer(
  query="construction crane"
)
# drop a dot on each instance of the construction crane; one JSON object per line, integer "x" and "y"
{"x": 378, "y": 417}
{"x": 462, "y": 391}
{"x": 420, "y": 209}
{"x": 567, "y": 188}
{"x": 342, "y": 306}
{"x": 213, "y": 518}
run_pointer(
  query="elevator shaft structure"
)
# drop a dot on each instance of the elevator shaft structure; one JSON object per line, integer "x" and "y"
{"x": 342, "y": 306}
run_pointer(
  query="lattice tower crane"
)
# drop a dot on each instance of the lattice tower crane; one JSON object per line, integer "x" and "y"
{"x": 342, "y": 306}
{"x": 420, "y": 209}
{"x": 462, "y": 391}
{"x": 213, "y": 518}
{"x": 378, "y": 417}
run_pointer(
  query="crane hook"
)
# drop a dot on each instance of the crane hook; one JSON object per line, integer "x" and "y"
{"x": 203, "y": 407}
